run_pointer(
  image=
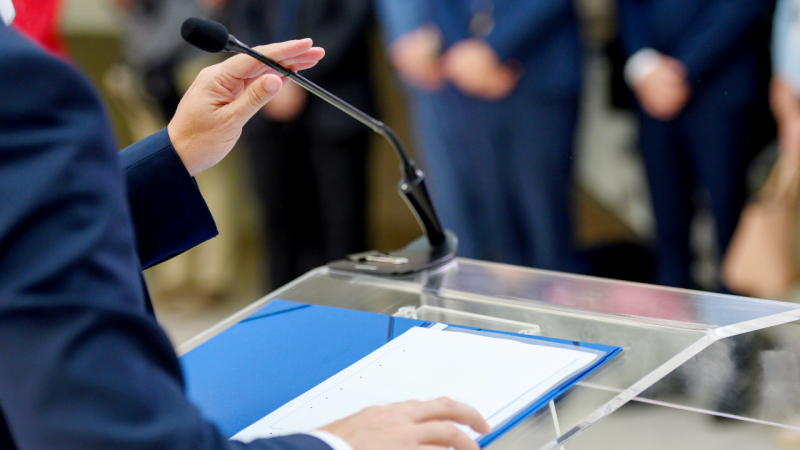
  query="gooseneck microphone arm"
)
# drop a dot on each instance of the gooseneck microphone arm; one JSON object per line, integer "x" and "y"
{"x": 412, "y": 185}
{"x": 406, "y": 164}
{"x": 214, "y": 37}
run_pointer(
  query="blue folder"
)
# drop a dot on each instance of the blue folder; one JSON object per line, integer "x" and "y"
{"x": 286, "y": 348}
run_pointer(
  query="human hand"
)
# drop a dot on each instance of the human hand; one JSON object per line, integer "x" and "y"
{"x": 125, "y": 4}
{"x": 225, "y": 96}
{"x": 475, "y": 69}
{"x": 789, "y": 138}
{"x": 410, "y": 425}
{"x": 415, "y": 55}
{"x": 213, "y": 4}
{"x": 664, "y": 92}
{"x": 287, "y": 105}
{"x": 786, "y": 108}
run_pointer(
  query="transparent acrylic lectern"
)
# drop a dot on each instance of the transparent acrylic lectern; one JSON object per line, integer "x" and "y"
{"x": 659, "y": 329}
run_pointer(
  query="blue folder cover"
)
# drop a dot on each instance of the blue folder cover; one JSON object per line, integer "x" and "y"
{"x": 286, "y": 348}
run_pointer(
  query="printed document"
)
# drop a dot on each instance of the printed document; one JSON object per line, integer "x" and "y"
{"x": 499, "y": 377}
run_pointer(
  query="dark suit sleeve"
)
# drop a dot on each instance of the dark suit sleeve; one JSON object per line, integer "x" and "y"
{"x": 520, "y": 24}
{"x": 82, "y": 366}
{"x": 717, "y": 33}
{"x": 633, "y": 27}
{"x": 398, "y": 17}
{"x": 169, "y": 213}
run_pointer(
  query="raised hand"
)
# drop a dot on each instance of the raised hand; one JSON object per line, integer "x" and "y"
{"x": 223, "y": 97}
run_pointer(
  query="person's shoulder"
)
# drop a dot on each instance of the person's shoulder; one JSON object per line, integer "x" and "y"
{"x": 32, "y": 79}
{"x": 15, "y": 47}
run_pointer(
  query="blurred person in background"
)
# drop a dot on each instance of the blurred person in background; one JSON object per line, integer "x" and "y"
{"x": 414, "y": 50}
{"x": 154, "y": 49}
{"x": 308, "y": 159}
{"x": 695, "y": 68}
{"x": 506, "y": 80}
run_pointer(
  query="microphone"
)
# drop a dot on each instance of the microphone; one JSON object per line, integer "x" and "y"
{"x": 213, "y": 37}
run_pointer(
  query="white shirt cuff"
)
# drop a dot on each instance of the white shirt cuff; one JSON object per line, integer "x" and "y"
{"x": 640, "y": 65}
{"x": 333, "y": 441}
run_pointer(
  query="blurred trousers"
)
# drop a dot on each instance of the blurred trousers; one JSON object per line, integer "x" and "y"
{"x": 704, "y": 150}
{"x": 312, "y": 193}
{"x": 500, "y": 173}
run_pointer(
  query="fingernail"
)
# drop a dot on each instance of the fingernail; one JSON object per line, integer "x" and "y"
{"x": 272, "y": 84}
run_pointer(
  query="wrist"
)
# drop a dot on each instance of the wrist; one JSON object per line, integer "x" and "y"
{"x": 179, "y": 143}
{"x": 640, "y": 65}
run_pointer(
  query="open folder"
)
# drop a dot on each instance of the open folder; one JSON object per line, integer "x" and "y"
{"x": 292, "y": 367}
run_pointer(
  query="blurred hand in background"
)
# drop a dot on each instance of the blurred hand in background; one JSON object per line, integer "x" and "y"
{"x": 664, "y": 92}
{"x": 476, "y": 70}
{"x": 213, "y": 4}
{"x": 415, "y": 55}
{"x": 287, "y": 105}
{"x": 786, "y": 108}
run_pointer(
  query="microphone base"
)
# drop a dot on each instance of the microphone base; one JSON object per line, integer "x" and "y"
{"x": 415, "y": 257}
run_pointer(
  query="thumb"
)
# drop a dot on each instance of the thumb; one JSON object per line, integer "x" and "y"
{"x": 255, "y": 96}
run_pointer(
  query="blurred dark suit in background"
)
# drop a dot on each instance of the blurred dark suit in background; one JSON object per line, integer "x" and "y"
{"x": 506, "y": 185}
{"x": 710, "y": 62}
{"x": 308, "y": 158}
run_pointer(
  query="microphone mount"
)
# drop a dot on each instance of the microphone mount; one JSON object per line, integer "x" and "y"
{"x": 440, "y": 246}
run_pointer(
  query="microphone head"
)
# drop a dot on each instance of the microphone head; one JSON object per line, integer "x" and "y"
{"x": 205, "y": 34}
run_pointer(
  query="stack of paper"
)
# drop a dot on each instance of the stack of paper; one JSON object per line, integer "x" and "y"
{"x": 499, "y": 377}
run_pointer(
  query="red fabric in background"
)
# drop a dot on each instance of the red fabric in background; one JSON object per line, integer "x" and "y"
{"x": 38, "y": 20}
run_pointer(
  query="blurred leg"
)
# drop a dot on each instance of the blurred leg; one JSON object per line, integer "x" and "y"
{"x": 540, "y": 180}
{"x": 434, "y": 135}
{"x": 285, "y": 186}
{"x": 671, "y": 180}
{"x": 718, "y": 140}
{"x": 339, "y": 170}
{"x": 477, "y": 146}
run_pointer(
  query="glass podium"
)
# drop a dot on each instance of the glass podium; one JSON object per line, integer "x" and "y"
{"x": 721, "y": 355}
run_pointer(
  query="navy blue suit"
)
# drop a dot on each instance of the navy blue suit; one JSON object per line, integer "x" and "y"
{"x": 501, "y": 171}
{"x": 707, "y": 145}
{"x": 83, "y": 365}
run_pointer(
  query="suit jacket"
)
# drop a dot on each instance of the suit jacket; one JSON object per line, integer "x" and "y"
{"x": 82, "y": 363}
{"x": 338, "y": 26}
{"x": 717, "y": 40}
{"x": 542, "y": 35}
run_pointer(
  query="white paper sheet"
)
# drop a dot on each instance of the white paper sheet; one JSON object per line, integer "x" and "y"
{"x": 496, "y": 376}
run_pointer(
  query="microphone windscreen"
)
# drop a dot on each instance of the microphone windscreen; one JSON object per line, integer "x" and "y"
{"x": 205, "y": 34}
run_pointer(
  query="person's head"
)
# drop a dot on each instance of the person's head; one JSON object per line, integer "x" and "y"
{"x": 7, "y": 12}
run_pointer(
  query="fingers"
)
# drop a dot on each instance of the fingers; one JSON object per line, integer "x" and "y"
{"x": 242, "y": 67}
{"x": 448, "y": 409}
{"x": 255, "y": 96}
{"x": 444, "y": 434}
{"x": 285, "y": 50}
{"x": 313, "y": 55}
{"x": 301, "y": 66}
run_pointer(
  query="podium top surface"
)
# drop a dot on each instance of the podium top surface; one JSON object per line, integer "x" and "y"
{"x": 660, "y": 330}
